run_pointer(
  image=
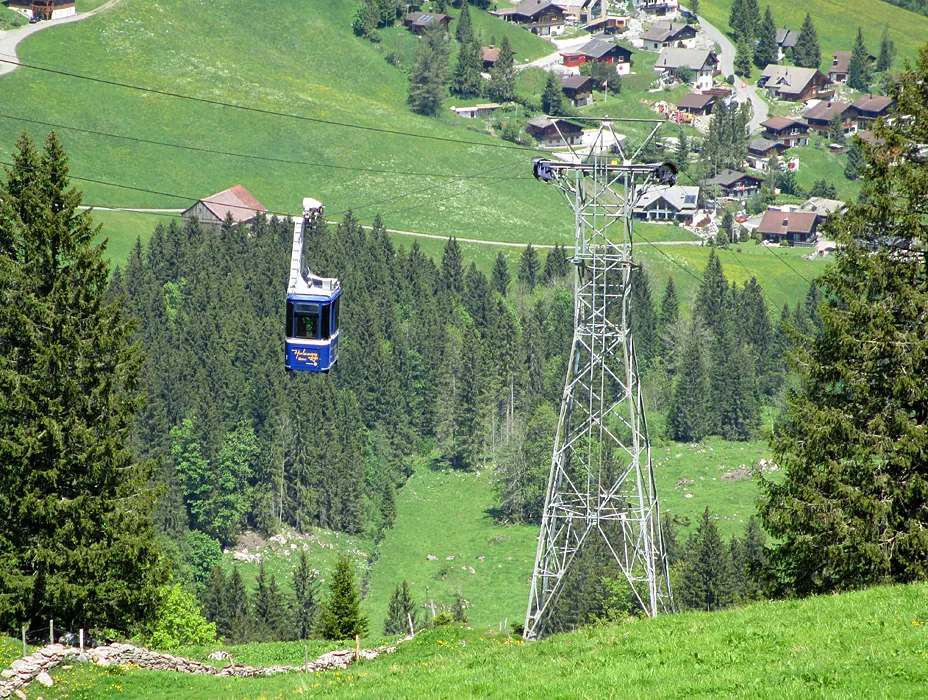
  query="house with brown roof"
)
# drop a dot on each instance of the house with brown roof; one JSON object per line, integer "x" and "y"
{"x": 601, "y": 51}
{"x": 490, "y": 57}
{"x": 540, "y": 17}
{"x": 418, "y": 22}
{"x": 841, "y": 65}
{"x": 583, "y": 11}
{"x": 819, "y": 117}
{"x": 761, "y": 150}
{"x": 662, "y": 35}
{"x": 733, "y": 183}
{"x": 578, "y": 89}
{"x": 871, "y": 107}
{"x": 793, "y": 84}
{"x": 607, "y": 25}
{"x": 44, "y": 9}
{"x": 789, "y": 132}
{"x": 694, "y": 103}
{"x": 554, "y": 132}
{"x": 789, "y": 227}
{"x": 235, "y": 201}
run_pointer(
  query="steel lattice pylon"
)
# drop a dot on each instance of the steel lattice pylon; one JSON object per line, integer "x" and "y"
{"x": 601, "y": 483}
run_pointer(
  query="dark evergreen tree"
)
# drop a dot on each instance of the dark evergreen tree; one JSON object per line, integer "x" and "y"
{"x": 711, "y": 305}
{"x": 501, "y": 276}
{"x": 236, "y": 624}
{"x": 214, "y": 599}
{"x": 744, "y": 56}
{"x": 753, "y": 561}
{"x": 557, "y": 264}
{"x": 751, "y": 22}
{"x": 644, "y": 318}
{"x": 670, "y": 306}
{"x": 736, "y": 17}
{"x": 429, "y": 81}
{"x": 75, "y": 508}
{"x": 341, "y": 616}
{"x": 859, "y": 71}
{"x": 452, "y": 269}
{"x": 807, "y": 52}
{"x": 836, "y": 129}
{"x": 502, "y": 86}
{"x": 466, "y": 81}
{"x": 851, "y": 510}
{"x": 887, "y": 52}
{"x": 767, "y": 50}
{"x": 740, "y": 417}
{"x": 855, "y": 160}
{"x": 672, "y": 549}
{"x": 366, "y": 19}
{"x": 689, "y": 419}
{"x": 552, "y": 99}
{"x": 401, "y": 613}
{"x": 463, "y": 30}
{"x": 529, "y": 267}
{"x": 270, "y": 614}
{"x": 707, "y": 580}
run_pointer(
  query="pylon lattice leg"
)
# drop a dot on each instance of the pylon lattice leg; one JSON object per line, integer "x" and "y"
{"x": 601, "y": 482}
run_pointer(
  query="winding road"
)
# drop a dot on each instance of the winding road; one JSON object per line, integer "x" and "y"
{"x": 10, "y": 39}
{"x": 727, "y": 61}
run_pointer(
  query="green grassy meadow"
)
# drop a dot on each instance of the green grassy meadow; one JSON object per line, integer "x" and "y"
{"x": 867, "y": 644}
{"x": 289, "y": 57}
{"x": 836, "y": 23}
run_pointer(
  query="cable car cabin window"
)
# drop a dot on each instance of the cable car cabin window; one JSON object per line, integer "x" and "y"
{"x": 335, "y": 314}
{"x": 326, "y": 317}
{"x": 306, "y": 321}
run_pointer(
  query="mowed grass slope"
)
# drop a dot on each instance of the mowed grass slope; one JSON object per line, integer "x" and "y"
{"x": 291, "y": 57}
{"x": 867, "y": 644}
{"x": 836, "y": 23}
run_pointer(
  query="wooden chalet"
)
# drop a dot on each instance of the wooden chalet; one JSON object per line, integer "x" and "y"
{"x": 735, "y": 184}
{"x": 819, "y": 117}
{"x": 871, "y": 107}
{"x": 44, "y": 9}
{"x": 789, "y": 132}
{"x": 761, "y": 150}
{"x": 578, "y": 89}
{"x": 702, "y": 63}
{"x": 789, "y": 227}
{"x": 841, "y": 65}
{"x": 662, "y": 35}
{"x": 607, "y": 25}
{"x": 235, "y": 201}
{"x": 418, "y": 22}
{"x": 540, "y": 17}
{"x": 794, "y": 84}
{"x": 694, "y": 103}
{"x": 657, "y": 7}
{"x": 554, "y": 132}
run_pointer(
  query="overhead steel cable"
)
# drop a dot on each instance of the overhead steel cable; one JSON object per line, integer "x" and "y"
{"x": 259, "y": 110}
{"x": 231, "y": 154}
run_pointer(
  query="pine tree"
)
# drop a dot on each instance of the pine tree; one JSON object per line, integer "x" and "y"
{"x": 501, "y": 275}
{"x": 236, "y": 627}
{"x": 464, "y": 32}
{"x": 671, "y": 543}
{"x": 452, "y": 269}
{"x": 740, "y": 418}
{"x": 365, "y": 20}
{"x": 214, "y": 597}
{"x": 459, "y": 609}
{"x": 753, "y": 560}
{"x": 503, "y": 74}
{"x": 644, "y": 318}
{"x": 688, "y": 419}
{"x": 767, "y": 50}
{"x": 707, "y": 580}
{"x": 887, "y": 52}
{"x": 466, "y": 81}
{"x": 269, "y": 612}
{"x": 751, "y": 21}
{"x": 694, "y": 7}
{"x": 807, "y": 53}
{"x": 836, "y": 129}
{"x": 341, "y": 616}
{"x": 552, "y": 99}
{"x": 851, "y": 509}
{"x": 859, "y": 72}
{"x": 401, "y": 610}
{"x": 711, "y": 306}
{"x": 429, "y": 80}
{"x": 736, "y": 16}
{"x": 75, "y": 508}
{"x": 670, "y": 306}
{"x": 854, "y": 168}
{"x": 529, "y": 267}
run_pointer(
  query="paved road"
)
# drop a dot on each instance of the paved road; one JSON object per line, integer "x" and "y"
{"x": 727, "y": 61}
{"x": 10, "y": 39}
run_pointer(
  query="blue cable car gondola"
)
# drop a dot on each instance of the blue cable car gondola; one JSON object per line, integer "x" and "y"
{"x": 312, "y": 307}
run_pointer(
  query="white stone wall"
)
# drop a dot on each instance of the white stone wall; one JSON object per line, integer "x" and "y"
{"x": 64, "y": 12}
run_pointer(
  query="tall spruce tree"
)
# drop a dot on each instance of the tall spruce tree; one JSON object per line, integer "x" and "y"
{"x": 452, "y": 269}
{"x": 270, "y": 615}
{"x": 644, "y": 318}
{"x": 501, "y": 276}
{"x": 429, "y": 81}
{"x": 502, "y": 86}
{"x": 75, "y": 511}
{"x": 552, "y": 98}
{"x": 464, "y": 31}
{"x": 744, "y": 57}
{"x": 887, "y": 52}
{"x": 807, "y": 53}
{"x": 341, "y": 616}
{"x": 529, "y": 267}
{"x": 466, "y": 81}
{"x": 767, "y": 49}
{"x": 707, "y": 581}
{"x": 235, "y": 624}
{"x": 401, "y": 612}
{"x": 851, "y": 510}
{"x": 859, "y": 71}
{"x": 689, "y": 419}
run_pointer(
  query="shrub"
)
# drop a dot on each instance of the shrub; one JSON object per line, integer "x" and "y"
{"x": 179, "y": 621}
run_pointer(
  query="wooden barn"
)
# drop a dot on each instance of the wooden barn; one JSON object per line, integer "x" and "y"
{"x": 212, "y": 211}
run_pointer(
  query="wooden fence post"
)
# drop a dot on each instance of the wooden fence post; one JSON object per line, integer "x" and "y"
{"x": 357, "y": 647}
{"x": 81, "y": 635}
{"x": 412, "y": 630}
{"x": 51, "y": 631}
{"x": 25, "y": 652}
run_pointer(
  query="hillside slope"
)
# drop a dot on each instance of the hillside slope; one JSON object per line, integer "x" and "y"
{"x": 291, "y": 57}
{"x": 866, "y": 644}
